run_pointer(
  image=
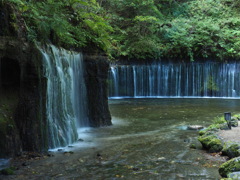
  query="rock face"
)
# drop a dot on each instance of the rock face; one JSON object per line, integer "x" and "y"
{"x": 23, "y": 122}
{"x": 97, "y": 90}
{"x": 21, "y": 72}
{"x": 20, "y": 67}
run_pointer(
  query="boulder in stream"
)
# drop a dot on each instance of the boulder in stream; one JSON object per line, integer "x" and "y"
{"x": 230, "y": 166}
{"x": 231, "y": 149}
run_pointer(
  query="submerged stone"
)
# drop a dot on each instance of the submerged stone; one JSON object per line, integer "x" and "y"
{"x": 230, "y": 166}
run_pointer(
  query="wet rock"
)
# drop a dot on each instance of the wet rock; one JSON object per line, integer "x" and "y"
{"x": 50, "y": 155}
{"x": 60, "y": 150}
{"x": 194, "y": 127}
{"x": 68, "y": 152}
{"x": 161, "y": 158}
{"x": 234, "y": 175}
{"x": 193, "y": 146}
{"x": 97, "y": 90}
{"x": 231, "y": 149}
{"x": 230, "y": 166}
{"x": 7, "y": 171}
{"x": 224, "y": 126}
{"x": 81, "y": 160}
{"x": 135, "y": 169}
{"x": 70, "y": 146}
{"x": 212, "y": 143}
{"x": 208, "y": 132}
{"x": 234, "y": 122}
{"x": 25, "y": 164}
{"x": 80, "y": 140}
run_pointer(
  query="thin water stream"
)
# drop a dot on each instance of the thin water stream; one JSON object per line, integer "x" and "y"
{"x": 148, "y": 140}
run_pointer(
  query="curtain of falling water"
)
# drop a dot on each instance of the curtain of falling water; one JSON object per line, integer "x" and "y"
{"x": 66, "y": 95}
{"x": 175, "y": 79}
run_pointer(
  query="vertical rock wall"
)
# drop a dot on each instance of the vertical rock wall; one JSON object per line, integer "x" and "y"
{"x": 97, "y": 89}
{"x": 22, "y": 84}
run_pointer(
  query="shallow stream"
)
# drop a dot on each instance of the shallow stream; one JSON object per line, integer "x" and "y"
{"x": 148, "y": 140}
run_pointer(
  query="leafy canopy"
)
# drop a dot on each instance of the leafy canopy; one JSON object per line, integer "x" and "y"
{"x": 182, "y": 29}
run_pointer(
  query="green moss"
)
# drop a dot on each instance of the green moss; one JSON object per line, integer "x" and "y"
{"x": 215, "y": 145}
{"x": 234, "y": 123}
{"x": 8, "y": 171}
{"x": 211, "y": 142}
{"x": 231, "y": 149}
{"x": 232, "y": 165}
{"x": 193, "y": 146}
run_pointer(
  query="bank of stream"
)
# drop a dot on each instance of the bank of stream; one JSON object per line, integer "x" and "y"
{"x": 148, "y": 140}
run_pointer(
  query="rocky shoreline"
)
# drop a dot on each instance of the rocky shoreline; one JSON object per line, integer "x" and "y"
{"x": 218, "y": 138}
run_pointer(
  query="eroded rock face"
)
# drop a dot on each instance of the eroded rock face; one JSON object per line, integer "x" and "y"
{"x": 21, "y": 82}
{"x": 96, "y": 83}
{"x": 22, "y": 74}
{"x": 23, "y": 119}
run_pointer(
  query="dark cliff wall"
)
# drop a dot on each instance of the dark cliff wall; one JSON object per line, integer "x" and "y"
{"x": 23, "y": 121}
{"x": 97, "y": 90}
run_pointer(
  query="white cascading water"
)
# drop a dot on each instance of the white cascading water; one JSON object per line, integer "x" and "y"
{"x": 66, "y": 101}
{"x": 210, "y": 79}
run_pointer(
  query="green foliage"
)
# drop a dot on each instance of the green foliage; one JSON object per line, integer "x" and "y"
{"x": 176, "y": 29}
{"x": 185, "y": 30}
{"x": 73, "y": 23}
{"x": 219, "y": 120}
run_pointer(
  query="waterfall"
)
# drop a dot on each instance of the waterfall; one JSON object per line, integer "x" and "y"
{"x": 66, "y": 103}
{"x": 210, "y": 79}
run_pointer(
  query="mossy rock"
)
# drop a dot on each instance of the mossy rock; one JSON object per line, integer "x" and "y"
{"x": 231, "y": 149}
{"x": 230, "y": 166}
{"x": 212, "y": 143}
{"x": 234, "y": 123}
{"x": 216, "y": 145}
{"x": 207, "y": 132}
{"x": 224, "y": 126}
{"x": 193, "y": 146}
{"x": 8, "y": 171}
{"x": 202, "y": 132}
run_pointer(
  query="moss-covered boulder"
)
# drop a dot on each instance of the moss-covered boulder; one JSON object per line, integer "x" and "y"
{"x": 211, "y": 142}
{"x": 223, "y": 126}
{"x": 231, "y": 149}
{"x": 208, "y": 132}
{"x": 230, "y": 166}
{"x": 234, "y": 122}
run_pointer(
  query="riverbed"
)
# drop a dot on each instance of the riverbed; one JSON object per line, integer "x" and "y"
{"x": 148, "y": 140}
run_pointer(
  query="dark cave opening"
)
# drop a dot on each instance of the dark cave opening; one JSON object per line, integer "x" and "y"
{"x": 9, "y": 75}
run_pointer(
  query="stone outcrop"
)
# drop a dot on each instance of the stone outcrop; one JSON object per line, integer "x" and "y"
{"x": 20, "y": 68}
{"x": 97, "y": 90}
{"x": 23, "y": 123}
